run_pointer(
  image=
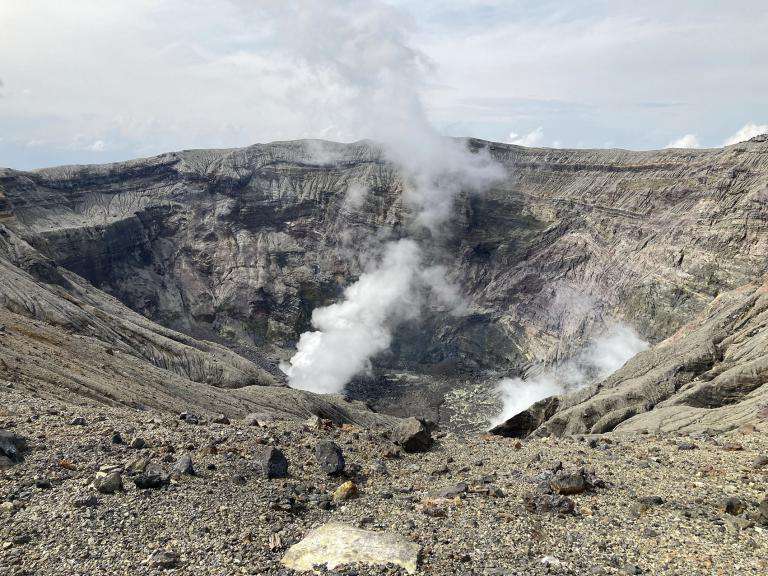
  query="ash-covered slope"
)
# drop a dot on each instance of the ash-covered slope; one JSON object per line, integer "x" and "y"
{"x": 239, "y": 246}
{"x": 61, "y": 338}
{"x": 711, "y": 375}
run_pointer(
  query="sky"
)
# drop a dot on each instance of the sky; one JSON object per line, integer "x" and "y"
{"x": 92, "y": 81}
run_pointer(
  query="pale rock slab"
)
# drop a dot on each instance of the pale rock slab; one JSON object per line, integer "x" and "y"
{"x": 335, "y": 544}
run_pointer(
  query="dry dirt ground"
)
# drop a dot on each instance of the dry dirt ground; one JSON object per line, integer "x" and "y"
{"x": 660, "y": 505}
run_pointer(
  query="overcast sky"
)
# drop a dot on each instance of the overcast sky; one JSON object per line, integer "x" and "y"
{"x": 85, "y": 81}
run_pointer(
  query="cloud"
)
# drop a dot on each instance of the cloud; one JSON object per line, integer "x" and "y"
{"x": 538, "y": 50}
{"x": 687, "y": 141}
{"x": 747, "y": 131}
{"x": 159, "y": 75}
{"x": 533, "y": 138}
{"x": 97, "y": 146}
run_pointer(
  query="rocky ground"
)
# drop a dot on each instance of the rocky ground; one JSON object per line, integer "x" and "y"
{"x": 632, "y": 504}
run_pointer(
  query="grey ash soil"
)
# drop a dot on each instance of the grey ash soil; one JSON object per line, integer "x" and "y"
{"x": 221, "y": 520}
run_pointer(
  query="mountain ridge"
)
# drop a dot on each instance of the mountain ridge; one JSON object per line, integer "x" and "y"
{"x": 238, "y": 246}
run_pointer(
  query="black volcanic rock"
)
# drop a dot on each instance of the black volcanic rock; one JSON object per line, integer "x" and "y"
{"x": 12, "y": 445}
{"x": 330, "y": 457}
{"x": 271, "y": 462}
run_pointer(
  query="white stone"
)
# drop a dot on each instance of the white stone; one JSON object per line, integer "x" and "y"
{"x": 335, "y": 544}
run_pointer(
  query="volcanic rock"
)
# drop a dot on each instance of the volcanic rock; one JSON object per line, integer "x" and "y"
{"x": 151, "y": 481}
{"x": 183, "y": 466}
{"x": 138, "y": 443}
{"x": 334, "y": 545}
{"x": 12, "y": 445}
{"x": 85, "y": 501}
{"x": 43, "y": 483}
{"x": 346, "y": 491}
{"x": 760, "y": 462}
{"x": 542, "y": 503}
{"x": 271, "y": 462}
{"x": 189, "y": 418}
{"x": 762, "y": 511}
{"x": 413, "y": 435}
{"x": 452, "y": 491}
{"x": 733, "y": 506}
{"x": 568, "y": 483}
{"x": 330, "y": 457}
{"x": 164, "y": 559}
{"x": 258, "y": 419}
{"x": 108, "y": 481}
{"x": 220, "y": 419}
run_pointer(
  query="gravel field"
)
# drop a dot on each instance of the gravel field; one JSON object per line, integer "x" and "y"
{"x": 638, "y": 504}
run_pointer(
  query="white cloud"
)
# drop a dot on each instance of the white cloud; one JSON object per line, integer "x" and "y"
{"x": 748, "y": 131}
{"x": 687, "y": 141}
{"x": 533, "y": 138}
{"x": 98, "y": 146}
{"x": 159, "y": 75}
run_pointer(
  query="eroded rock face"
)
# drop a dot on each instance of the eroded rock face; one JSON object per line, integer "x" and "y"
{"x": 244, "y": 244}
{"x": 336, "y": 544}
{"x": 69, "y": 340}
{"x": 239, "y": 246}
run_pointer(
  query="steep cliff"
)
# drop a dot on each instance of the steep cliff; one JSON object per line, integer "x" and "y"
{"x": 61, "y": 338}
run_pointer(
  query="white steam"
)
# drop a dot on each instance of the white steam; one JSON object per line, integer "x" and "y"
{"x": 352, "y": 331}
{"x": 367, "y": 64}
{"x": 747, "y": 132}
{"x": 602, "y": 357}
{"x": 355, "y": 196}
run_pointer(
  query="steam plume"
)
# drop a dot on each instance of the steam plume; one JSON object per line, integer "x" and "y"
{"x": 747, "y": 131}
{"x": 368, "y": 63}
{"x": 602, "y": 357}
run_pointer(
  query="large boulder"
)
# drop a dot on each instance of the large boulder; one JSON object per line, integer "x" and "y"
{"x": 330, "y": 457}
{"x": 414, "y": 435}
{"x": 336, "y": 544}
